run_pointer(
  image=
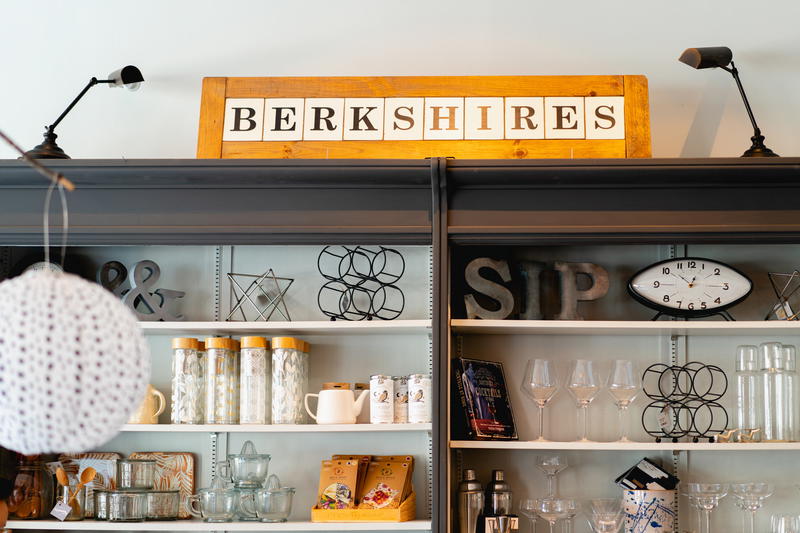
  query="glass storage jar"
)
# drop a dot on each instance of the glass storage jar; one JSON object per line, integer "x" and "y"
{"x": 127, "y": 505}
{"x": 187, "y": 382}
{"x": 163, "y": 504}
{"x": 135, "y": 474}
{"x": 254, "y": 381}
{"x": 73, "y": 496}
{"x": 289, "y": 379}
{"x": 777, "y": 392}
{"x": 221, "y": 382}
{"x": 100, "y": 504}
{"x": 32, "y": 495}
{"x": 749, "y": 397}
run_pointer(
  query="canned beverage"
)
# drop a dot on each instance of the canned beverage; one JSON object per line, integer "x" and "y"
{"x": 400, "y": 399}
{"x": 419, "y": 398}
{"x": 381, "y": 399}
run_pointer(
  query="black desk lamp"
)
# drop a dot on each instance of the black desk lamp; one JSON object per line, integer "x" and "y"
{"x": 129, "y": 77}
{"x": 721, "y": 56}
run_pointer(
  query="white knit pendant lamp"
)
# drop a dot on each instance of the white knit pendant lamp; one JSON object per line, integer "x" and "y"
{"x": 74, "y": 363}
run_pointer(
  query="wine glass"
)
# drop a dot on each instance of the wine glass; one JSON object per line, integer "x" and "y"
{"x": 706, "y": 497}
{"x": 540, "y": 383}
{"x": 583, "y": 384}
{"x": 553, "y": 510}
{"x": 572, "y": 508}
{"x": 527, "y": 508}
{"x": 624, "y": 384}
{"x": 551, "y": 465}
{"x": 605, "y": 515}
{"x": 749, "y": 498}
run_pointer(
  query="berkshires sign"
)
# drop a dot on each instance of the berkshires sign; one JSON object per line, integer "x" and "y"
{"x": 475, "y": 117}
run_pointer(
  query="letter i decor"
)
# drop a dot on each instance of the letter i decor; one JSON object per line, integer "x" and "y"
{"x": 467, "y": 117}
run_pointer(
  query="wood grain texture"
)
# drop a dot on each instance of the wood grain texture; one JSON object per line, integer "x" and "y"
{"x": 401, "y": 86}
{"x": 212, "y": 114}
{"x": 501, "y": 149}
{"x": 637, "y": 117}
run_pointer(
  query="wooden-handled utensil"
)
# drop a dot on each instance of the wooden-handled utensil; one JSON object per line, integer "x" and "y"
{"x": 86, "y": 477}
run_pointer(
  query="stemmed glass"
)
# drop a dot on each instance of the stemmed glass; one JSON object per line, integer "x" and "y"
{"x": 605, "y": 515}
{"x": 527, "y": 508}
{"x": 624, "y": 384}
{"x": 540, "y": 384}
{"x": 583, "y": 384}
{"x": 553, "y": 510}
{"x": 749, "y": 498}
{"x": 706, "y": 497}
{"x": 551, "y": 465}
{"x": 572, "y": 510}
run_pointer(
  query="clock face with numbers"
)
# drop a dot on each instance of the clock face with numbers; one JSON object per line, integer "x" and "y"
{"x": 689, "y": 287}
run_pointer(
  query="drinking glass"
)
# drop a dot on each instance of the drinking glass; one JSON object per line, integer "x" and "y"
{"x": 605, "y": 515}
{"x": 706, "y": 497}
{"x": 624, "y": 385}
{"x": 540, "y": 383}
{"x": 749, "y": 498}
{"x": 527, "y": 508}
{"x": 572, "y": 508}
{"x": 784, "y": 523}
{"x": 553, "y": 510}
{"x": 551, "y": 465}
{"x": 583, "y": 384}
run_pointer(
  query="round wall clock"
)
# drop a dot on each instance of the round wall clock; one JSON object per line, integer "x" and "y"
{"x": 690, "y": 287}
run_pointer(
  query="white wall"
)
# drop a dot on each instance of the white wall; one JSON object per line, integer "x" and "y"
{"x": 51, "y": 49}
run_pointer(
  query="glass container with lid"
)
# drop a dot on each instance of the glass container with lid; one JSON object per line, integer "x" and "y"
{"x": 749, "y": 399}
{"x": 221, "y": 404}
{"x": 187, "y": 382}
{"x": 289, "y": 379}
{"x": 777, "y": 392}
{"x": 32, "y": 495}
{"x": 254, "y": 379}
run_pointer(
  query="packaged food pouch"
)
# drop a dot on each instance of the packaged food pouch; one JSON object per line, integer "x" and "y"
{"x": 363, "y": 466}
{"x": 385, "y": 485}
{"x": 337, "y": 485}
{"x": 403, "y": 459}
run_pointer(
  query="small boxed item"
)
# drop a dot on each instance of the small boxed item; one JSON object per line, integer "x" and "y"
{"x": 646, "y": 475}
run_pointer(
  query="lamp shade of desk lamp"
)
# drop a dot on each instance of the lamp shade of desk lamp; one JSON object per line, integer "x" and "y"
{"x": 722, "y": 57}
{"x": 129, "y": 77}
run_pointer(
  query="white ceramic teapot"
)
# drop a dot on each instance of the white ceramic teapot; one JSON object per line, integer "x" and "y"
{"x": 336, "y": 404}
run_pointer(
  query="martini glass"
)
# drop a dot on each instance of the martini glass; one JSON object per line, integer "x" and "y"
{"x": 551, "y": 465}
{"x": 527, "y": 508}
{"x": 584, "y": 384}
{"x": 605, "y": 515}
{"x": 706, "y": 497}
{"x": 749, "y": 497}
{"x": 540, "y": 384}
{"x": 553, "y": 510}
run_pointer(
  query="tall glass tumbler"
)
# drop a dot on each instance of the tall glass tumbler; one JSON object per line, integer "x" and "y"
{"x": 777, "y": 394}
{"x": 749, "y": 392}
{"x": 792, "y": 391}
{"x": 289, "y": 379}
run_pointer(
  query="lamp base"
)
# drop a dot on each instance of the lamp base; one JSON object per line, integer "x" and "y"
{"x": 758, "y": 149}
{"x": 48, "y": 149}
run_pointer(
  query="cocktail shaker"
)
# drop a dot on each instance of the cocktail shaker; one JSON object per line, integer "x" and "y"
{"x": 498, "y": 495}
{"x": 470, "y": 502}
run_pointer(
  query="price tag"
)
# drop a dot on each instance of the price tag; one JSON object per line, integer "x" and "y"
{"x": 61, "y": 510}
{"x": 665, "y": 418}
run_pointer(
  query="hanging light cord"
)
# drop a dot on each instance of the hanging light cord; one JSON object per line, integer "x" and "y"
{"x": 57, "y": 179}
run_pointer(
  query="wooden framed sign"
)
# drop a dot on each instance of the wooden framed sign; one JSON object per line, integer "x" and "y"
{"x": 467, "y": 117}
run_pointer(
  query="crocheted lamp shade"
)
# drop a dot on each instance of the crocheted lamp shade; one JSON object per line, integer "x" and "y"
{"x": 73, "y": 363}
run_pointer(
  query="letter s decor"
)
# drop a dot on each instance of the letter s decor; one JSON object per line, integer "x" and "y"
{"x": 493, "y": 290}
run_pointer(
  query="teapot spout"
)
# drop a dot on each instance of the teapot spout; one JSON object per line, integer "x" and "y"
{"x": 359, "y": 404}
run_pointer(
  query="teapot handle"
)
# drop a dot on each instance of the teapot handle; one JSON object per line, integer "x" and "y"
{"x": 194, "y": 498}
{"x": 305, "y": 401}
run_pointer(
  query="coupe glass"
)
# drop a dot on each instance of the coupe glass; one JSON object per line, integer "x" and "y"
{"x": 785, "y": 523}
{"x": 583, "y": 384}
{"x": 551, "y": 465}
{"x": 527, "y": 508}
{"x": 706, "y": 497}
{"x": 540, "y": 384}
{"x": 605, "y": 515}
{"x": 624, "y": 385}
{"x": 554, "y": 509}
{"x": 749, "y": 498}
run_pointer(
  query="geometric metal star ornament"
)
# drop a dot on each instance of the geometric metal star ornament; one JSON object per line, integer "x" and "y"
{"x": 264, "y": 293}
{"x": 786, "y": 287}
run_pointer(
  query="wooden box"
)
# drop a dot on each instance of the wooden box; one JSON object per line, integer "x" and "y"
{"x": 406, "y": 512}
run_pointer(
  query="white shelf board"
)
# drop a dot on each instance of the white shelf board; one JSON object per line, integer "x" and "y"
{"x": 320, "y": 327}
{"x": 625, "y": 446}
{"x": 197, "y": 525}
{"x": 274, "y": 428}
{"x": 621, "y": 327}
